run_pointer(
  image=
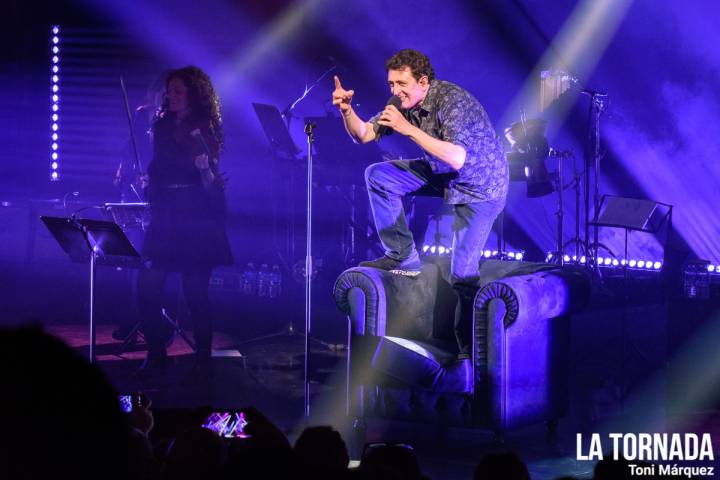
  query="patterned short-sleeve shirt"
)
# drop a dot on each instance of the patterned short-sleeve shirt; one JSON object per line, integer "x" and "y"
{"x": 450, "y": 113}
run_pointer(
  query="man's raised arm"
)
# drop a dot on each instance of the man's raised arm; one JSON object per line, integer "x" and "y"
{"x": 358, "y": 129}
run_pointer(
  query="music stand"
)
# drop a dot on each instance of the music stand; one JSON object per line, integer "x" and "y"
{"x": 639, "y": 215}
{"x": 636, "y": 214}
{"x": 97, "y": 242}
{"x": 275, "y": 130}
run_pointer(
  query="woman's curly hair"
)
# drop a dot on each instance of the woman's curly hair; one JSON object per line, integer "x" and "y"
{"x": 202, "y": 98}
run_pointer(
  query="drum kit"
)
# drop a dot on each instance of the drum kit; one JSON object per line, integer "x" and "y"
{"x": 529, "y": 152}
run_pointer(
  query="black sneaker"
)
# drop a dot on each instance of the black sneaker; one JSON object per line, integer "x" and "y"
{"x": 408, "y": 268}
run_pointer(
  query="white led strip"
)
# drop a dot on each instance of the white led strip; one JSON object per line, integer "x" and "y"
{"x": 55, "y": 98}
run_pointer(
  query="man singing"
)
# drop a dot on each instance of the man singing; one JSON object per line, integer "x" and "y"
{"x": 464, "y": 163}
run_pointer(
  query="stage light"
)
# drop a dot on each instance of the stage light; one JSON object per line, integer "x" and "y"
{"x": 441, "y": 250}
{"x": 511, "y": 255}
{"x": 55, "y": 97}
{"x": 632, "y": 263}
{"x": 641, "y": 263}
{"x": 583, "y": 259}
{"x": 487, "y": 253}
{"x": 432, "y": 249}
{"x": 519, "y": 256}
{"x": 607, "y": 261}
{"x": 623, "y": 262}
{"x": 649, "y": 264}
{"x": 566, "y": 258}
{"x": 615, "y": 262}
{"x": 426, "y": 248}
{"x": 657, "y": 265}
{"x": 574, "y": 258}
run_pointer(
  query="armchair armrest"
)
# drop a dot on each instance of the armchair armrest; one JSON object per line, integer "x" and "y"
{"x": 380, "y": 303}
{"x": 521, "y": 345}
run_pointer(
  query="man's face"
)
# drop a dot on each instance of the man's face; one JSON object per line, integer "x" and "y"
{"x": 402, "y": 84}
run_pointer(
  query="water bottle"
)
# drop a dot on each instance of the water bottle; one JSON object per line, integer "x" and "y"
{"x": 249, "y": 279}
{"x": 263, "y": 281}
{"x": 275, "y": 282}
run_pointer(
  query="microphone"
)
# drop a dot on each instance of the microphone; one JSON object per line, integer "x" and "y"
{"x": 397, "y": 103}
{"x": 201, "y": 141}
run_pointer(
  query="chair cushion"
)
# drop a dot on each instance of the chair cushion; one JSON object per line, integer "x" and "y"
{"x": 423, "y": 365}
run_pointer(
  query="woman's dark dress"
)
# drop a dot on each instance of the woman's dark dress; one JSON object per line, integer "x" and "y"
{"x": 186, "y": 232}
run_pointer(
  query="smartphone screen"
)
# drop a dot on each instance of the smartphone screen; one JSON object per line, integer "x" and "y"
{"x": 126, "y": 403}
{"x": 227, "y": 424}
{"x": 130, "y": 402}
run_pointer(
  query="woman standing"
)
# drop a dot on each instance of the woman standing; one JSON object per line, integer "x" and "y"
{"x": 187, "y": 200}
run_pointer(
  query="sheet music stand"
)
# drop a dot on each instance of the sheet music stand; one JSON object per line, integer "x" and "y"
{"x": 636, "y": 214}
{"x": 275, "y": 130}
{"x": 97, "y": 242}
{"x": 630, "y": 214}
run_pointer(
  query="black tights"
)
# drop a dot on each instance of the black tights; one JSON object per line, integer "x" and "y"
{"x": 151, "y": 285}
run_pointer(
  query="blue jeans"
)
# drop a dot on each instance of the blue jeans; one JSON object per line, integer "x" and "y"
{"x": 387, "y": 182}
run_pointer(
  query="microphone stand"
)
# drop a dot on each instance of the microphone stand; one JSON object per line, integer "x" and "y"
{"x": 310, "y": 132}
{"x": 598, "y": 103}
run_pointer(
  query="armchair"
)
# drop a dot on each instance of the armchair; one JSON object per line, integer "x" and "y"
{"x": 402, "y": 359}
